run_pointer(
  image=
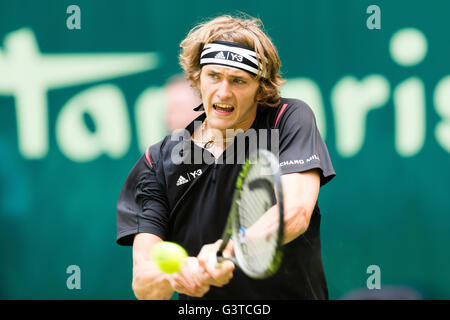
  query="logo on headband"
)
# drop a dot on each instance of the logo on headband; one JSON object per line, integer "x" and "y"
{"x": 236, "y": 57}
{"x": 230, "y": 56}
{"x": 219, "y": 56}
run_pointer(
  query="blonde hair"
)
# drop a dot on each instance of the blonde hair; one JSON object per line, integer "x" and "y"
{"x": 247, "y": 31}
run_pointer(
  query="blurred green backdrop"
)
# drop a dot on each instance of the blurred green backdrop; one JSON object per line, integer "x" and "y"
{"x": 78, "y": 107}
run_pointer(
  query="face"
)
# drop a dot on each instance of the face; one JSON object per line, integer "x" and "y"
{"x": 228, "y": 96}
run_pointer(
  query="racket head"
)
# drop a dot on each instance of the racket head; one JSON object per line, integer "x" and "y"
{"x": 258, "y": 251}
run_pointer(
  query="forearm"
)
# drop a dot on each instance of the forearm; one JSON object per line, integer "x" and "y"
{"x": 300, "y": 193}
{"x": 295, "y": 224}
{"x": 296, "y": 221}
{"x": 149, "y": 283}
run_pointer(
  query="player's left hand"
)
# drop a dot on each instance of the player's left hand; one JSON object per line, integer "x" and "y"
{"x": 219, "y": 274}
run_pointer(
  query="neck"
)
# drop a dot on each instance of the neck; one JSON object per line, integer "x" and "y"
{"x": 210, "y": 137}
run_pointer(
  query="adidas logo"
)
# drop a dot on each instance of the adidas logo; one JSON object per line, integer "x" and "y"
{"x": 181, "y": 180}
{"x": 219, "y": 55}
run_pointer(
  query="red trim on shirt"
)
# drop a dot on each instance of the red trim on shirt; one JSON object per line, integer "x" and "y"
{"x": 279, "y": 115}
{"x": 147, "y": 156}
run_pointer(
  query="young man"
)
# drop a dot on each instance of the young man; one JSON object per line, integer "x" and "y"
{"x": 235, "y": 68}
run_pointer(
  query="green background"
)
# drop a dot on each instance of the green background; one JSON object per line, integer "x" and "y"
{"x": 382, "y": 209}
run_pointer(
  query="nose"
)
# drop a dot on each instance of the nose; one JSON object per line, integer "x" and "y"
{"x": 224, "y": 92}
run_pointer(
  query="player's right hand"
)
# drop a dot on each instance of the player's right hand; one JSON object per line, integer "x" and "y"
{"x": 192, "y": 280}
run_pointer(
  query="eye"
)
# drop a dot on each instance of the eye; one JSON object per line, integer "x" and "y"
{"x": 238, "y": 81}
{"x": 212, "y": 75}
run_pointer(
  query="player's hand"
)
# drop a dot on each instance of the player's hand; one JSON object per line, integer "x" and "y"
{"x": 219, "y": 274}
{"x": 192, "y": 280}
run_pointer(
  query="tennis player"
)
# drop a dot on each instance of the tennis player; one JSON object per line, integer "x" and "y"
{"x": 235, "y": 68}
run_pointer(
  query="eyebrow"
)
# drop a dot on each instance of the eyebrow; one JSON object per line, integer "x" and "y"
{"x": 231, "y": 75}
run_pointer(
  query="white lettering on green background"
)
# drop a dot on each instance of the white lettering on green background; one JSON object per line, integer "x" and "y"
{"x": 30, "y": 75}
{"x": 410, "y": 117}
{"x": 150, "y": 117}
{"x": 106, "y": 105}
{"x": 442, "y": 105}
{"x": 351, "y": 101}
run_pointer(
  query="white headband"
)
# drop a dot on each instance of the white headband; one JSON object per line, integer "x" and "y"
{"x": 230, "y": 54}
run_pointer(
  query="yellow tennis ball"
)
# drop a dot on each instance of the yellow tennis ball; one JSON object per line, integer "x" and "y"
{"x": 168, "y": 256}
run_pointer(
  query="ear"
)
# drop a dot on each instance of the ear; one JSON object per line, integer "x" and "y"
{"x": 259, "y": 93}
{"x": 198, "y": 83}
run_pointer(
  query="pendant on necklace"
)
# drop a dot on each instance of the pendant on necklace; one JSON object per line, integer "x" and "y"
{"x": 209, "y": 144}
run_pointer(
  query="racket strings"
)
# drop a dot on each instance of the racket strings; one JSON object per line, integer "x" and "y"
{"x": 258, "y": 245}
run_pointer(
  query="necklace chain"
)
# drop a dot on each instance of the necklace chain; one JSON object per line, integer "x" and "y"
{"x": 210, "y": 142}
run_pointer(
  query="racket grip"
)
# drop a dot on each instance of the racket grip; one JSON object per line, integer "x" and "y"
{"x": 214, "y": 260}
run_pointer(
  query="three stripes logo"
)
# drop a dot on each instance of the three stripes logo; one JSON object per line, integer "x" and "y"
{"x": 181, "y": 180}
{"x": 219, "y": 56}
{"x": 190, "y": 176}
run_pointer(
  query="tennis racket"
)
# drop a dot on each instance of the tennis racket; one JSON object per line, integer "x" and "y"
{"x": 256, "y": 220}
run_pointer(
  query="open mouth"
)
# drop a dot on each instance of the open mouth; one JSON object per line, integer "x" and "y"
{"x": 223, "y": 108}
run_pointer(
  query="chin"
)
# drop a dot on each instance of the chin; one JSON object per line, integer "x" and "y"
{"x": 221, "y": 124}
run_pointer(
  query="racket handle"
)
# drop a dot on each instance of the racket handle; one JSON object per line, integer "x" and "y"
{"x": 219, "y": 259}
{"x": 214, "y": 260}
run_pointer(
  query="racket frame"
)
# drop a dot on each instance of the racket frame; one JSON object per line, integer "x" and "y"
{"x": 232, "y": 228}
